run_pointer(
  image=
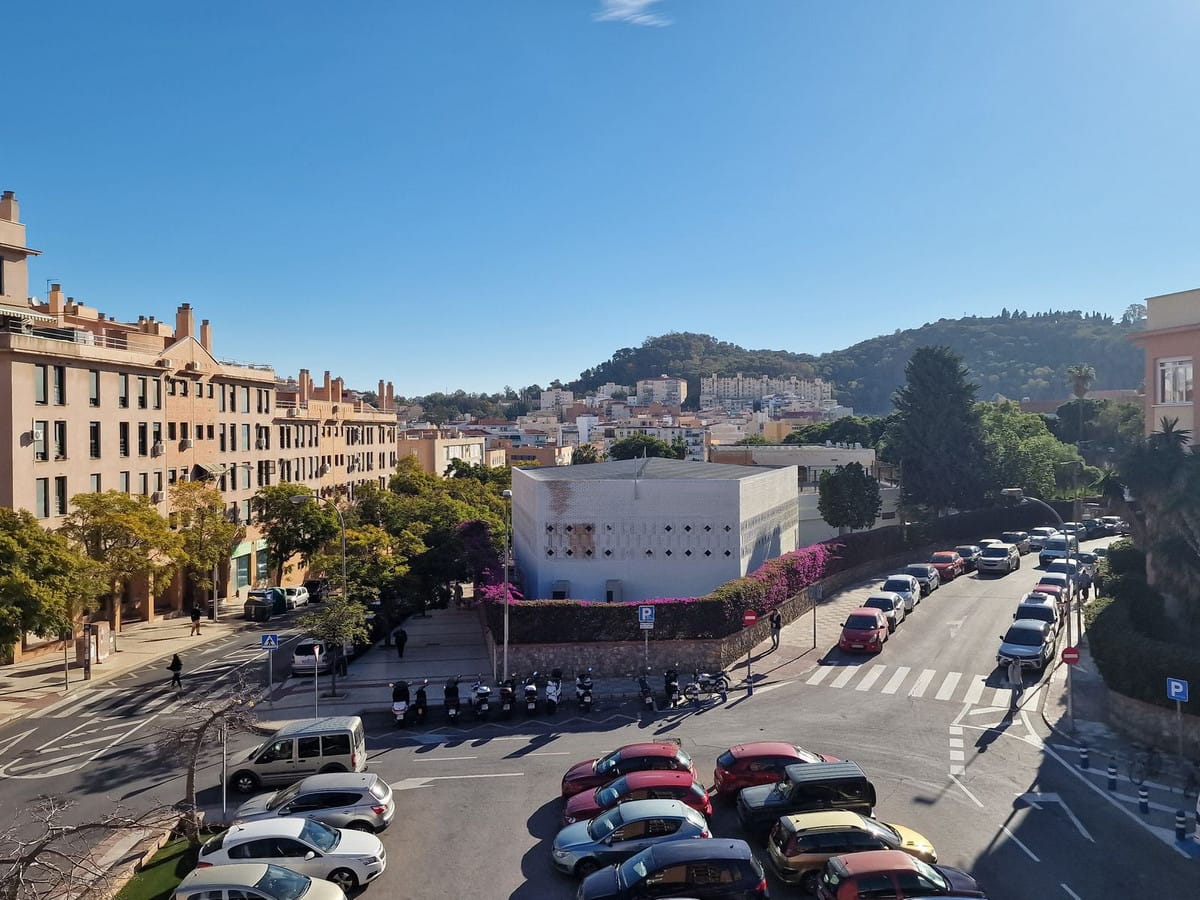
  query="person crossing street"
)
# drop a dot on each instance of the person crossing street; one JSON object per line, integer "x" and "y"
{"x": 176, "y": 669}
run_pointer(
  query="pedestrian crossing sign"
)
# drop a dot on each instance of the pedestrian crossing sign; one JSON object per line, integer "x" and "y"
{"x": 270, "y": 641}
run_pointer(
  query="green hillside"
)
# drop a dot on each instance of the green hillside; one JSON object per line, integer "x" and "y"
{"x": 1017, "y": 355}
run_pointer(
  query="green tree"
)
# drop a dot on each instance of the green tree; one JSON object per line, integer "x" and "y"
{"x": 501, "y": 476}
{"x": 935, "y": 434}
{"x": 45, "y": 583}
{"x": 1021, "y": 452}
{"x": 865, "y": 430}
{"x": 290, "y": 528}
{"x": 751, "y": 440}
{"x": 208, "y": 534}
{"x": 638, "y": 445}
{"x": 585, "y": 454}
{"x": 679, "y": 447}
{"x": 849, "y": 497}
{"x": 128, "y": 539}
{"x": 339, "y": 621}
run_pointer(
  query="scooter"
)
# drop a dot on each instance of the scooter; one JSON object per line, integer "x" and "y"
{"x": 583, "y": 690}
{"x": 508, "y": 697}
{"x": 671, "y": 688}
{"x": 554, "y": 691}
{"x": 530, "y": 691}
{"x": 707, "y": 684}
{"x": 646, "y": 691}
{"x": 421, "y": 706}
{"x": 451, "y": 698}
{"x": 400, "y": 703}
{"x": 482, "y": 693}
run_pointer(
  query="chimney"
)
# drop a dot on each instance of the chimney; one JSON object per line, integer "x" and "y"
{"x": 54, "y": 300}
{"x": 185, "y": 322}
{"x": 391, "y": 397}
{"x": 305, "y": 393}
{"x": 10, "y": 211}
{"x": 206, "y": 335}
{"x": 379, "y": 393}
{"x": 339, "y": 389}
{"x": 327, "y": 387}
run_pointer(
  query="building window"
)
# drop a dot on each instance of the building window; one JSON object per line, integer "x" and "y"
{"x": 262, "y": 561}
{"x": 245, "y": 399}
{"x": 211, "y": 431}
{"x": 123, "y": 482}
{"x": 144, "y": 484}
{"x": 60, "y": 385}
{"x": 170, "y": 387}
{"x": 95, "y": 484}
{"x": 185, "y": 430}
{"x": 41, "y": 395}
{"x": 170, "y": 431}
{"x": 221, "y": 397}
{"x": 123, "y": 438}
{"x": 158, "y": 393}
{"x": 246, "y": 503}
{"x": 143, "y": 439}
{"x": 158, "y": 481}
{"x": 41, "y": 498}
{"x": 60, "y": 440}
{"x": 156, "y": 435}
{"x": 41, "y": 441}
{"x": 246, "y": 437}
{"x": 183, "y": 388}
{"x": 94, "y": 440}
{"x": 60, "y": 495}
{"x": 143, "y": 392}
{"x": 245, "y": 487}
{"x": 123, "y": 391}
{"x": 210, "y": 390}
{"x": 93, "y": 387}
{"x": 171, "y": 476}
{"x": 242, "y": 571}
{"x": 1175, "y": 380}
{"x": 233, "y": 437}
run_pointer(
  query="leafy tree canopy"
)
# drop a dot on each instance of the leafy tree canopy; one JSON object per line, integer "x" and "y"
{"x": 849, "y": 497}
{"x": 584, "y": 454}
{"x": 291, "y": 528}
{"x": 638, "y": 445}
{"x": 208, "y": 534}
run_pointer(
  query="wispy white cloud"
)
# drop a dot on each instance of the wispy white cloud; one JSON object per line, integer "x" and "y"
{"x": 631, "y": 12}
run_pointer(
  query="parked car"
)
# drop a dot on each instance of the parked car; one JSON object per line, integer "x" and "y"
{"x": 1075, "y": 528}
{"x": 759, "y": 762}
{"x": 1055, "y": 592}
{"x": 254, "y": 881}
{"x": 1087, "y": 559}
{"x": 1115, "y": 524}
{"x": 891, "y": 873}
{"x": 987, "y": 542}
{"x": 652, "y": 784}
{"x": 617, "y": 834}
{"x": 359, "y": 800}
{"x": 301, "y": 748}
{"x": 926, "y": 575}
{"x": 594, "y": 773}
{"x": 317, "y": 589}
{"x": 891, "y": 605}
{"x": 346, "y": 858}
{"x": 311, "y": 655}
{"x": 1037, "y": 536}
{"x": 864, "y": 629}
{"x": 1071, "y": 568}
{"x": 1098, "y": 552}
{"x": 969, "y": 553}
{"x": 1039, "y": 606}
{"x": 263, "y": 603}
{"x": 1019, "y": 539}
{"x": 800, "y": 845}
{"x": 1056, "y": 579}
{"x": 1001, "y": 558}
{"x": 717, "y": 869}
{"x": 1058, "y": 546}
{"x": 806, "y": 788}
{"x": 1093, "y": 528}
{"x": 906, "y": 586}
{"x": 948, "y": 563}
{"x": 295, "y": 597}
{"x": 1030, "y": 642}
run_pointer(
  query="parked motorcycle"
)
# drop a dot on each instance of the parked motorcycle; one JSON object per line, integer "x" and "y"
{"x": 482, "y": 695}
{"x": 583, "y": 690}
{"x": 400, "y": 703}
{"x": 671, "y": 688}
{"x": 554, "y": 691}
{"x": 420, "y": 705}
{"x": 451, "y": 701}
{"x": 530, "y": 691}
{"x": 706, "y": 685}
{"x": 508, "y": 697}
{"x": 647, "y": 692}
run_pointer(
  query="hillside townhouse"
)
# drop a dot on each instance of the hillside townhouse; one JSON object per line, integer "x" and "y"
{"x": 436, "y": 448}
{"x": 1171, "y": 339}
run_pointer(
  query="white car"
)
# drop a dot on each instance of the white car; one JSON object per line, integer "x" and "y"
{"x": 1037, "y": 536}
{"x": 345, "y": 857}
{"x": 890, "y": 604}
{"x": 296, "y": 596}
{"x": 906, "y": 586}
{"x": 254, "y": 882}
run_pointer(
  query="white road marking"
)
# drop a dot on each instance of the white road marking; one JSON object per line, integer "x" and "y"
{"x": 956, "y": 729}
{"x": 845, "y": 676}
{"x": 975, "y": 691}
{"x": 957, "y": 756}
{"x": 818, "y": 676}
{"x": 1070, "y": 892}
{"x": 771, "y": 687}
{"x": 1002, "y": 698}
{"x": 922, "y": 682}
{"x": 953, "y": 777}
{"x": 956, "y": 742}
{"x": 1018, "y": 842}
{"x": 870, "y": 678}
{"x": 69, "y": 707}
{"x": 946, "y": 691}
{"x": 487, "y": 775}
{"x": 15, "y": 739}
{"x": 957, "y": 770}
{"x": 441, "y": 758}
{"x": 896, "y": 680}
{"x": 546, "y": 753}
{"x": 1035, "y": 798}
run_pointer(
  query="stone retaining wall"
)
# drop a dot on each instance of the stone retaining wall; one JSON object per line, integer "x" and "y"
{"x": 1153, "y": 725}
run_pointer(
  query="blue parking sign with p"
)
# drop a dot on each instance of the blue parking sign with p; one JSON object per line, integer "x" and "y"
{"x": 646, "y": 615}
{"x": 1177, "y": 689}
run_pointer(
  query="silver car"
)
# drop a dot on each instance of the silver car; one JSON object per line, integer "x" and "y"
{"x": 622, "y": 831}
{"x": 255, "y": 881}
{"x": 892, "y": 606}
{"x": 359, "y": 800}
{"x": 906, "y": 586}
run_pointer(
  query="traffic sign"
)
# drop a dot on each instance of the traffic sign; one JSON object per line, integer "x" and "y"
{"x": 1177, "y": 690}
{"x": 749, "y": 617}
{"x": 1070, "y": 655}
{"x": 269, "y": 641}
{"x": 646, "y": 618}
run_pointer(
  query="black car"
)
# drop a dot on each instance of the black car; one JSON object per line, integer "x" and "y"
{"x": 806, "y": 788}
{"x": 926, "y": 575}
{"x": 713, "y": 869}
{"x": 970, "y": 554}
{"x": 317, "y": 589}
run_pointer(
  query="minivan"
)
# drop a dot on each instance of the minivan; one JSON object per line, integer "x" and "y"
{"x": 302, "y": 748}
{"x": 807, "y": 787}
{"x": 1057, "y": 547}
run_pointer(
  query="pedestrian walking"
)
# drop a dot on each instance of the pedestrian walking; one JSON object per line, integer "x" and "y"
{"x": 401, "y": 640}
{"x": 776, "y": 628}
{"x": 195, "y": 620}
{"x": 1085, "y": 585}
{"x": 1016, "y": 679}
{"x": 176, "y": 668}
{"x": 458, "y": 595}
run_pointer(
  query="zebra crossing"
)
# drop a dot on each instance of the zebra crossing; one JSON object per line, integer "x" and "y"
{"x": 922, "y": 684}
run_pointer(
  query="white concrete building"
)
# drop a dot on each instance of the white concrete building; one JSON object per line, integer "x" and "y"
{"x": 556, "y": 398}
{"x": 665, "y": 390}
{"x": 738, "y": 391}
{"x": 643, "y": 528}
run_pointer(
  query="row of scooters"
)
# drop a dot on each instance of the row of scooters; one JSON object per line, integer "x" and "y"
{"x": 407, "y": 712}
{"x": 704, "y": 685}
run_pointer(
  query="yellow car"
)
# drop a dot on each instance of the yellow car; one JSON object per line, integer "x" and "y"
{"x": 800, "y": 845}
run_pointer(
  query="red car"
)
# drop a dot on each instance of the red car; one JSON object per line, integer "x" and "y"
{"x": 652, "y": 785}
{"x": 760, "y": 762}
{"x": 949, "y": 564}
{"x": 594, "y": 773}
{"x": 1051, "y": 590}
{"x": 891, "y": 873}
{"x": 864, "y": 629}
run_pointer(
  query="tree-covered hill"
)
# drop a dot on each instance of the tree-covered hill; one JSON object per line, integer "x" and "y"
{"x": 1014, "y": 354}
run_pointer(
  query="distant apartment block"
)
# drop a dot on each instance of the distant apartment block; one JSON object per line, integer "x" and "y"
{"x": 556, "y": 398}
{"x": 663, "y": 390}
{"x": 436, "y": 448}
{"x": 741, "y": 391}
{"x": 1171, "y": 340}
{"x": 696, "y": 439}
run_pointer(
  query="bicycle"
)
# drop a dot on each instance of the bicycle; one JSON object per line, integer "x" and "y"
{"x": 1145, "y": 762}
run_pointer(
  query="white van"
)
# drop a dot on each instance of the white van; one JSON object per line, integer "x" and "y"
{"x": 1058, "y": 547}
{"x": 302, "y": 748}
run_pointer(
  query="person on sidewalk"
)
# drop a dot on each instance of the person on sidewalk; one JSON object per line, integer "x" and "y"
{"x": 176, "y": 669}
{"x": 1085, "y": 585}
{"x": 401, "y": 640}
{"x": 776, "y": 628}
{"x": 195, "y": 620}
{"x": 458, "y": 596}
{"x": 1017, "y": 680}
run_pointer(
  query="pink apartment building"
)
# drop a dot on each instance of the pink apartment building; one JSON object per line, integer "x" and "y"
{"x": 1171, "y": 340}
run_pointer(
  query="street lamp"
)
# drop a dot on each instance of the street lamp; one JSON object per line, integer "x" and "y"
{"x": 507, "y": 495}
{"x": 1018, "y": 495}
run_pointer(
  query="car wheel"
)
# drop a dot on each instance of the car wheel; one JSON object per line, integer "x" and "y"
{"x": 333, "y": 767}
{"x": 244, "y": 782}
{"x": 362, "y": 826}
{"x": 809, "y": 881}
{"x": 586, "y": 867}
{"x": 344, "y": 878}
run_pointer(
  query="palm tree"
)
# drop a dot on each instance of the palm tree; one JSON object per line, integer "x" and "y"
{"x": 1080, "y": 378}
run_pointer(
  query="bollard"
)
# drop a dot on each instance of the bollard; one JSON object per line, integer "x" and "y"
{"x": 1180, "y": 825}
{"x": 1083, "y": 757}
{"x": 1143, "y": 801}
{"x": 1112, "y": 776}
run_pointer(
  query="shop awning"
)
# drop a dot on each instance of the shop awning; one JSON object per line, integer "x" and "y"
{"x": 24, "y": 312}
{"x": 209, "y": 470}
{"x": 242, "y": 549}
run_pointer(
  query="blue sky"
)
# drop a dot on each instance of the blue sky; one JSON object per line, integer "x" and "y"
{"x": 478, "y": 194}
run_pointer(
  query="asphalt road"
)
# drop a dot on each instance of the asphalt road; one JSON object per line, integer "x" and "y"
{"x": 928, "y": 719}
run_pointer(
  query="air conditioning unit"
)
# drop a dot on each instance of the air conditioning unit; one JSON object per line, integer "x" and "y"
{"x": 157, "y": 449}
{"x": 164, "y": 363}
{"x": 192, "y": 366}
{"x": 293, "y": 412}
{"x": 260, "y": 444}
{"x": 39, "y": 432}
{"x": 156, "y": 497}
{"x": 185, "y": 444}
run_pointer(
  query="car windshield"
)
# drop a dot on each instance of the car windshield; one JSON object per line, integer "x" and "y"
{"x": 609, "y": 794}
{"x": 943, "y": 557}
{"x": 881, "y": 830}
{"x": 602, "y": 826}
{"x": 606, "y": 763}
{"x": 1055, "y": 544}
{"x": 932, "y": 874}
{"x": 861, "y": 622}
{"x": 1023, "y": 637}
{"x": 897, "y": 586}
{"x": 965, "y": 551}
{"x": 633, "y": 869}
{"x": 1037, "y": 611}
{"x": 880, "y": 603}
{"x": 320, "y": 835}
{"x": 283, "y": 884}
{"x": 304, "y": 649}
{"x": 284, "y": 796}
{"x": 995, "y": 551}
{"x": 917, "y": 571}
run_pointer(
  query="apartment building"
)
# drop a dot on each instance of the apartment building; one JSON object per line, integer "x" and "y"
{"x": 1171, "y": 340}
{"x": 436, "y": 448}
{"x": 664, "y": 390}
{"x": 556, "y": 398}
{"x": 740, "y": 391}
